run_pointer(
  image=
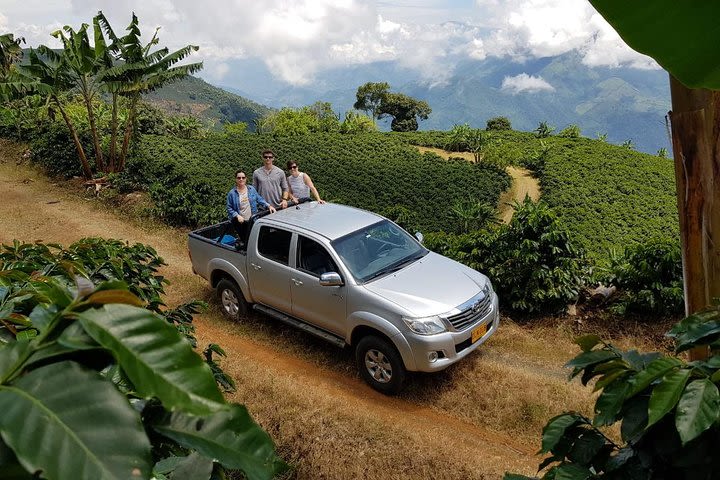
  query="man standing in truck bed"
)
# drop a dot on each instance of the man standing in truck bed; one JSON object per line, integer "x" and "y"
{"x": 270, "y": 181}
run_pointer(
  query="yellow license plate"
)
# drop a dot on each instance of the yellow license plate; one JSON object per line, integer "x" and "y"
{"x": 478, "y": 333}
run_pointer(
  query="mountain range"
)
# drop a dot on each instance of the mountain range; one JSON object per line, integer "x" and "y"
{"x": 622, "y": 103}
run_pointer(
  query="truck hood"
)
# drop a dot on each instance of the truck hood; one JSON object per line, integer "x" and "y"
{"x": 431, "y": 286}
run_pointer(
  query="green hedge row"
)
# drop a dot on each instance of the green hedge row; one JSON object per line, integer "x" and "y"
{"x": 188, "y": 179}
{"x": 610, "y": 197}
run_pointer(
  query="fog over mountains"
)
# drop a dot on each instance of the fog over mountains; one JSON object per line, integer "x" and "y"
{"x": 624, "y": 103}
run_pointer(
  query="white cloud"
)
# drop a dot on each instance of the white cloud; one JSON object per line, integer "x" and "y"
{"x": 525, "y": 29}
{"x": 525, "y": 83}
{"x": 299, "y": 38}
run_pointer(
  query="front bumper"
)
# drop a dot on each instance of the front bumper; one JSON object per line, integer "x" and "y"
{"x": 450, "y": 346}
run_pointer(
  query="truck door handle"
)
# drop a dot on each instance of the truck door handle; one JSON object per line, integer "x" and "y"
{"x": 256, "y": 266}
{"x": 296, "y": 281}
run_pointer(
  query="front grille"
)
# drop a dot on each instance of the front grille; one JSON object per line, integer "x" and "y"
{"x": 472, "y": 314}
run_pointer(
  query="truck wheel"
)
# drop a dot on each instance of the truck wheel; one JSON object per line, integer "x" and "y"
{"x": 380, "y": 364}
{"x": 231, "y": 299}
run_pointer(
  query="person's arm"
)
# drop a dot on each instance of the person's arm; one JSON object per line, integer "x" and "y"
{"x": 285, "y": 191}
{"x": 290, "y": 192}
{"x": 259, "y": 198}
{"x": 311, "y": 186}
{"x": 229, "y": 205}
{"x": 255, "y": 183}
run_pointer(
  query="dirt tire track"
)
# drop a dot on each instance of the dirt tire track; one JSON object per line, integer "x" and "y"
{"x": 33, "y": 208}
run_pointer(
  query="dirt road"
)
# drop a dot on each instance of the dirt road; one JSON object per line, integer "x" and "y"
{"x": 474, "y": 421}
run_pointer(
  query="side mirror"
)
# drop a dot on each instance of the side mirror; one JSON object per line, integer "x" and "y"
{"x": 331, "y": 279}
{"x": 419, "y": 237}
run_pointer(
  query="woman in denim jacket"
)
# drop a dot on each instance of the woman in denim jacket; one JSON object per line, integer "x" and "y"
{"x": 242, "y": 202}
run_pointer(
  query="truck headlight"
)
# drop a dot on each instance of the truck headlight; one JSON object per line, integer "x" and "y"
{"x": 425, "y": 325}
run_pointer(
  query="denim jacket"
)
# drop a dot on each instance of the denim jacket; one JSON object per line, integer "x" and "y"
{"x": 233, "y": 201}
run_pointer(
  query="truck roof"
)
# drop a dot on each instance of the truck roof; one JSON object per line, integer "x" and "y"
{"x": 330, "y": 220}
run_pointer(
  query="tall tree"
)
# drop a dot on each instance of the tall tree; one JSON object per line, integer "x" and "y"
{"x": 140, "y": 70}
{"x": 405, "y": 111}
{"x": 85, "y": 64}
{"x": 370, "y": 96}
{"x": 681, "y": 37}
{"x": 48, "y": 74}
{"x": 11, "y": 84}
{"x": 10, "y": 52}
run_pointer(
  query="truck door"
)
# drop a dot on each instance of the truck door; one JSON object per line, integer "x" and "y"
{"x": 321, "y": 306}
{"x": 268, "y": 268}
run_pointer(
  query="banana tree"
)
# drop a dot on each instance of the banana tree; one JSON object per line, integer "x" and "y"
{"x": 85, "y": 63}
{"x": 48, "y": 74}
{"x": 681, "y": 37}
{"x": 15, "y": 83}
{"x": 139, "y": 70}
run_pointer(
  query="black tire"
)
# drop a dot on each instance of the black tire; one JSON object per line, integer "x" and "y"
{"x": 380, "y": 364}
{"x": 232, "y": 301}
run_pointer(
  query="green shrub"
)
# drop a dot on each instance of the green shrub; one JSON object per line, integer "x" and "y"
{"x": 535, "y": 162}
{"x": 609, "y": 197}
{"x": 544, "y": 130}
{"x": 650, "y": 278}
{"x": 498, "y": 123}
{"x": 73, "y": 333}
{"x": 188, "y": 180}
{"x": 667, "y": 410}
{"x": 457, "y": 138}
{"x": 53, "y": 149}
{"x": 571, "y": 131}
{"x": 532, "y": 262}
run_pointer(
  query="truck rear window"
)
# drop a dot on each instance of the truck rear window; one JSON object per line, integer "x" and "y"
{"x": 274, "y": 244}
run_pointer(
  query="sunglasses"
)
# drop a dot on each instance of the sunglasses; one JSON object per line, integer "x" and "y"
{"x": 240, "y": 178}
{"x": 267, "y": 156}
{"x": 293, "y": 166}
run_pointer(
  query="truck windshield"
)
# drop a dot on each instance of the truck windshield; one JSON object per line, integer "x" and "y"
{"x": 377, "y": 250}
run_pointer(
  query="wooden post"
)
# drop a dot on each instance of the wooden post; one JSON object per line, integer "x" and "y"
{"x": 695, "y": 135}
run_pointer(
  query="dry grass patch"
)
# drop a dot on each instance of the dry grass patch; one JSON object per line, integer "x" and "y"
{"x": 446, "y": 154}
{"x": 336, "y": 432}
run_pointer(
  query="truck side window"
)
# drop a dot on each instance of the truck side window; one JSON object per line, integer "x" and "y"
{"x": 312, "y": 258}
{"x": 274, "y": 244}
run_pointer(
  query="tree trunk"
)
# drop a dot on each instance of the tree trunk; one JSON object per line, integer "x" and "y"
{"x": 695, "y": 120}
{"x": 128, "y": 133}
{"x": 113, "y": 132}
{"x": 87, "y": 172}
{"x": 99, "y": 161}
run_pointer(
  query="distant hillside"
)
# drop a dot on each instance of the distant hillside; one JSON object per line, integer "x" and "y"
{"x": 624, "y": 103}
{"x": 193, "y": 96}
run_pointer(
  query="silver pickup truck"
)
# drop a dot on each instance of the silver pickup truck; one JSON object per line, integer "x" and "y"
{"x": 355, "y": 279}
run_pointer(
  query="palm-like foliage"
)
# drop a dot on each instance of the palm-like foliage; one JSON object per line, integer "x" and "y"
{"x": 139, "y": 70}
{"x": 10, "y": 52}
{"x": 84, "y": 65}
{"x": 48, "y": 73}
{"x": 474, "y": 215}
{"x": 12, "y": 82}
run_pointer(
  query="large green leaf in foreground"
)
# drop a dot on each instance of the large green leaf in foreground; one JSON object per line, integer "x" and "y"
{"x": 697, "y": 409}
{"x": 156, "y": 358}
{"x": 682, "y": 36}
{"x": 71, "y": 424}
{"x": 231, "y": 437}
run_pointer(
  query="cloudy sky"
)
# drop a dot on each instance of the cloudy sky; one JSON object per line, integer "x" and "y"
{"x": 298, "y": 39}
